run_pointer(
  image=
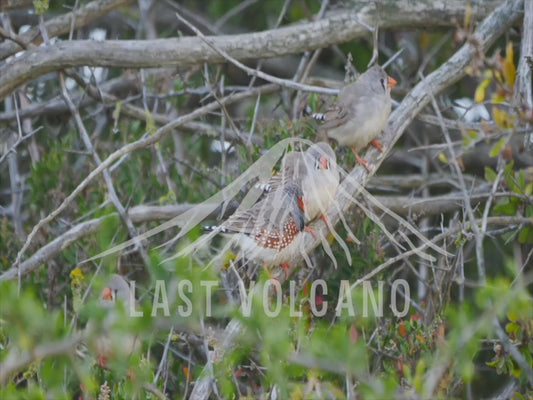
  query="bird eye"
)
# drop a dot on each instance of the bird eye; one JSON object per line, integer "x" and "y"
{"x": 382, "y": 82}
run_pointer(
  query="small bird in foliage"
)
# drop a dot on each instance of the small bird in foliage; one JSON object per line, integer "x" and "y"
{"x": 360, "y": 113}
{"x": 316, "y": 172}
{"x": 105, "y": 344}
{"x": 269, "y": 232}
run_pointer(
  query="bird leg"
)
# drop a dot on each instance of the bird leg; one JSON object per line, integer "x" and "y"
{"x": 286, "y": 266}
{"x": 101, "y": 361}
{"x": 270, "y": 277}
{"x": 311, "y": 230}
{"x": 377, "y": 144}
{"x": 360, "y": 159}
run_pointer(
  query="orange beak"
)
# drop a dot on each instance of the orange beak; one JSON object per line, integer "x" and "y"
{"x": 391, "y": 82}
{"x": 107, "y": 294}
{"x": 324, "y": 162}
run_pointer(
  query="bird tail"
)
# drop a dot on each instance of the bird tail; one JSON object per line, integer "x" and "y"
{"x": 308, "y": 112}
{"x": 198, "y": 243}
{"x": 319, "y": 116}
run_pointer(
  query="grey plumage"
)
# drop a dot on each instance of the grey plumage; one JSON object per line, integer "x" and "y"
{"x": 269, "y": 231}
{"x": 315, "y": 171}
{"x": 361, "y": 111}
{"x": 105, "y": 342}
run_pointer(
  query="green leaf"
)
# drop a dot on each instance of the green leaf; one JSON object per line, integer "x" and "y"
{"x": 520, "y": 182}
{"x": 41, "y": 6}
{"x": 490, "y": 174}
{"x": 116, "y": 111}
{"x": 528, "y": 190}
{"x": 497, "y": 148}
{"x": 512, "y": 327}
{"x": 505, "y": 208}
{"x": 526, "y": 235}
{"x": 479, "y": 95}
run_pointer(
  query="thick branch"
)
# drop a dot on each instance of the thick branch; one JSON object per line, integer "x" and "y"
{"x": 16, "y": 361}
{"x": 7, "y": 5}
{"x": 137, "y": 214}
{"x": 523, "y": 93}
{"x": 337, "y": 28}
{"x": 63, "y": 24}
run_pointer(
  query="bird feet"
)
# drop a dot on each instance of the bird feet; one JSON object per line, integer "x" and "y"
{"x": 101, "y": 361}
{"x": 311, "y": 230}
{"x": 377, "y": 144}
{"x": 361, "y": 160}
{"x": 286, "y": 267}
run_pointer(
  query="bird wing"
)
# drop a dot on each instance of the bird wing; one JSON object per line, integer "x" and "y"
{"x": 335, "y": 116}
{"x": 273, "y": 213}
{"x": 292, "y": 170}
{"x": 348, "y": 106}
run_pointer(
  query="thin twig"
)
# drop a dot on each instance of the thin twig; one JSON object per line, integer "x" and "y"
{"x": 145, "y": 141}
{"x": 251, "y": 71}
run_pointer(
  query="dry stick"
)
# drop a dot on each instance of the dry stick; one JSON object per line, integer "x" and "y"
{"x": 275, "y": 80}
{"x": 19, "y": 141}
{"x": 107, "y": 176}
{"x": 305, "y": 65}
{"x": 155, "y": 391}
{"x": 276, "y": 25}
{"x": 15, "y": 361}
{"x": 61, "y": 25}
{"x": 50, "y": 250}
{"x": 340, "y": 27}
{"x": 523, "y": 92}
{"x": 449, "y": 73}
{"x": 462, "y": 186}
{"x": 13, "y": 37}
{"x": 399, "y": 219}
{"x": 479, "y": 234}
{"x": 163, "y": 357}
{"x": 137, "y": 112}
{"x": 253, "y": 72}
{"x": 139, "y": 214}
{"x": 138, "y": 144}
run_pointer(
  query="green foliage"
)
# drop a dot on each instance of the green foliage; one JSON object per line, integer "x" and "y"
{"x": 41, "y": 6}
{"x": 434, "y": 351}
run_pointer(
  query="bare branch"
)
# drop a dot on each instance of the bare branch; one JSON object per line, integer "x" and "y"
{"x": 15, "y": 361}
{"x": 340, "y": 27}
{"x": 62, "y": 24}
{"x": 137, "y": 214}
{"x": 145, "y": 141}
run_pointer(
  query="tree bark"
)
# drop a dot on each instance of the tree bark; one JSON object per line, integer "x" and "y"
{"x": 338, "y": 27}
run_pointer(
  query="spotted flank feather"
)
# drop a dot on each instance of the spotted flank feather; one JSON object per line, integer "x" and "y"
{"x": 277, "y": 240}
{"x": 272, "y": 223}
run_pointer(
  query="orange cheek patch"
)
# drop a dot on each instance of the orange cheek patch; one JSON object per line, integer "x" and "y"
{"x": 107, "y": 294}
